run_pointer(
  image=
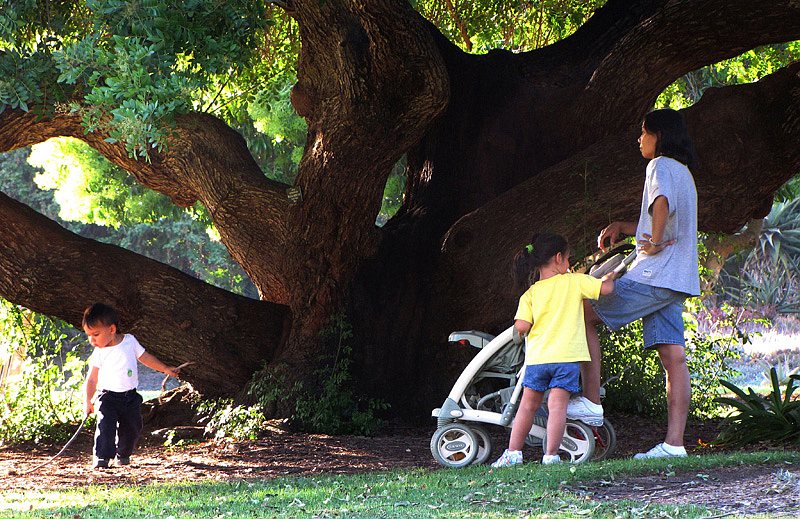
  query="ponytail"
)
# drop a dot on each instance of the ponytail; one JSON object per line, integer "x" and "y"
{"x": 522, "y": 271}
{"x": 526, "y": 264}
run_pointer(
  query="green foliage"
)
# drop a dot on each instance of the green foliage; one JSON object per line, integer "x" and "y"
{"x": 16, "y": 181}
{"x": 789, "y": 191}
{"x": 332, "y": 408}
{"x": 44, "y": 399}
{"x": 226, "y": 420}
{"x": 89, "y": 189}
{"x": 336, "y": 409}
{"x": 710, "y": 348}
{"x": 745, "y": 68}
{"x": 774, "y": 417}
{"x": 780, "y": 234}
{"x": 393, "y": 193}
{"x": 134, "y": 65}
{"x": 767, "y": 276}
{"x": 515, "y": 25}
{"x": 637, "y": 379}
{"x": 90, "y": 192}
{"x": 639, "y": 388}
{"x": 274, "y": 118}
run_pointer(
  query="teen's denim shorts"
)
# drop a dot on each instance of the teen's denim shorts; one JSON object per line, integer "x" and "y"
{"x": 660, "y": 309}
{"x": 564, "y": 375}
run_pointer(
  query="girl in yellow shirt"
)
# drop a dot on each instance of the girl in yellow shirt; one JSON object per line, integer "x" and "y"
{"x": 550, "y": 317}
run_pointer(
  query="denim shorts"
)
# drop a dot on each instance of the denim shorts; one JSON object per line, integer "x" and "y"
{"x": 660, "y": 309}
{"x": 564, "y": 375}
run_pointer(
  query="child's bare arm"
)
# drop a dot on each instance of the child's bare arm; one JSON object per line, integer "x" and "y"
{"x": 152, "y": 362}
{"x": 523, "y": 327}
{"x": 608, "y": 284}
{"x": 91, "y": 387}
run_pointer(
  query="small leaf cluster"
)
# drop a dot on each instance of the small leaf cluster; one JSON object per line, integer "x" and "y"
{"x": 755, "y": 418}
{"x": 331, "y": 407}
{"x": 224, "y": 419}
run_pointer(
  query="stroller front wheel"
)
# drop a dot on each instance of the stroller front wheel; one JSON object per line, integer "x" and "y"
{"x": 454, "y": 445}
{"x": 484, "y": 445}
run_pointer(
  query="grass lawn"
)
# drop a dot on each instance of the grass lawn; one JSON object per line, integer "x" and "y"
{"x": 528, "y": 491}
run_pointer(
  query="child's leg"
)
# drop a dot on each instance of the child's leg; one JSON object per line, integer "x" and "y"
{"x": 556, "y": 418}
{"x": 523, "y": 421}
{"x": 106, "y": 430}
{"x": 130, "y": 424}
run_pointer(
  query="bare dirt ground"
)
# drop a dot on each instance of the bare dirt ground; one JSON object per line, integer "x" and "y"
{"x": 766, "y": 488}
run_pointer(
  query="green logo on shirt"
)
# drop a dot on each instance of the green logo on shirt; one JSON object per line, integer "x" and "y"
{"x": 130, "y": 372}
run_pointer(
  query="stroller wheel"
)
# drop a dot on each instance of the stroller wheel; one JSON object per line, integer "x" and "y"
{"x": 577, "y": 446}
{"x": 605, "y": 441}
{"x": 454, "y": 445}
{"x": 484, "y": 445}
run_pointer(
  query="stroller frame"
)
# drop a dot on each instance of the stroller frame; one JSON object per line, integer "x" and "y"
{"x": 460, "y": 438}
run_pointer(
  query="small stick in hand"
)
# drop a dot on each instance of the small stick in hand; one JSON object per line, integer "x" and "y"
{"x": 178, "y": 369}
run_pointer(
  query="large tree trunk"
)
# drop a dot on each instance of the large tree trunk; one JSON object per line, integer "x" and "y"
{"x": 497, "y": 146}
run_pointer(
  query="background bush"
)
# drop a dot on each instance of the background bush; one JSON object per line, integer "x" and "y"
{"x": 45, "y": 400}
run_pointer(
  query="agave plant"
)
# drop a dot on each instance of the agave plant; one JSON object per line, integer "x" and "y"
{"x": 780, "y": 234}
{"x": 768, "y": 276}
{"x": 775, "y": 417}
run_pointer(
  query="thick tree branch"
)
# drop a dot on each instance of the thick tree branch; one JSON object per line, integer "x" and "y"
{"x": 674, "y": 39}
{"x": 178, "y": 318}
{"x": 207, "y": 161}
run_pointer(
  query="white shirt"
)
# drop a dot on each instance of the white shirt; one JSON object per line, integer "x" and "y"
{"x": 118, "y": 368}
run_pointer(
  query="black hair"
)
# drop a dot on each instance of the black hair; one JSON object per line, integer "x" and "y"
{"x": 542, "y": 247}
{"x": 99, "y": 313}
{"x": 672, "y": 136}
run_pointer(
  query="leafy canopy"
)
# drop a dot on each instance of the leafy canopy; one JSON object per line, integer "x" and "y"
{"x": 129, "y": 66}
{"x": 517, "y": 25}
{"x": 90, "y": 189}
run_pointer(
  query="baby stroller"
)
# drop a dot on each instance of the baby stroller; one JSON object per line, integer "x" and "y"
{"x": 489, "y": 389}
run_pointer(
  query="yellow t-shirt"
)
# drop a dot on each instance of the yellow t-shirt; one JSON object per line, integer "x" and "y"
{"x": 555, "y": 307}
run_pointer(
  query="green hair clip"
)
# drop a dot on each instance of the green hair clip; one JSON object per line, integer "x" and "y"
{"x": 529, "y": 248}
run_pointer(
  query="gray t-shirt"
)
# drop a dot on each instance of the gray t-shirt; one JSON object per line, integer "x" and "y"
{"x": 675, "y": 267}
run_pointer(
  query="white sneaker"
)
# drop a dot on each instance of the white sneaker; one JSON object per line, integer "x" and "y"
{"x": 508, "y": 459}
{"x": 550, "y": 459}
{"x": 662, "y": 450}
{"x": 583, "y": 409}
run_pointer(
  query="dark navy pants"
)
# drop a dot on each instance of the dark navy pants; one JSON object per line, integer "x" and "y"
{"x": 119, "y": 424}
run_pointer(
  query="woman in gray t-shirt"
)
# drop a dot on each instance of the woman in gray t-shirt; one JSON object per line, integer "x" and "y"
{"x": 658, "y": 282}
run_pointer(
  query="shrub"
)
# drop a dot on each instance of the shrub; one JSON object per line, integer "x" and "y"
{"x": 334, "y": 407}
{"x": 637, "y": 379}
{"x": 45, "y": 398}
{"x": 223, "y": 419}
{"x": 775, "y": 417}
{"x": 337, "y": 409}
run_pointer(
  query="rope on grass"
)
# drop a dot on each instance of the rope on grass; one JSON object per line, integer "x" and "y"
{"x": 66, "y": 445}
